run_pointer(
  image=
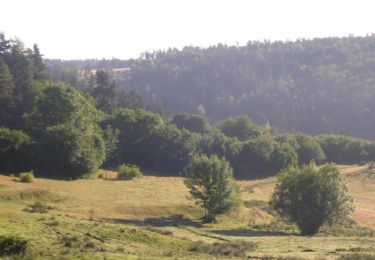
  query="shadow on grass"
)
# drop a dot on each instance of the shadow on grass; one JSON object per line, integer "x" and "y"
{"x": 249, "y": 233}
{"x": 170, "y": 221}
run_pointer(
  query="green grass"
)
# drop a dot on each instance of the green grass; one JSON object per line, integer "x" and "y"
{"x": 152, "y": 218}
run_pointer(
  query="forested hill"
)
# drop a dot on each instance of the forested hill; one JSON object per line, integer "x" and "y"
{"x": 314, "y": 86}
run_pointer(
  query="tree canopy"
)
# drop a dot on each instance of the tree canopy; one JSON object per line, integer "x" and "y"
{"x": 64, "y": 125}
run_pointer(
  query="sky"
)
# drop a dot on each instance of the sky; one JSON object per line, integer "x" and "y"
{"x": 77, "y": 29}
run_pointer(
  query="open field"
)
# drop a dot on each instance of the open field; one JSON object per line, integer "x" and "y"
{"x": 153, "y": 218}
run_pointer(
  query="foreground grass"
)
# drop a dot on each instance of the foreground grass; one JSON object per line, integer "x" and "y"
{"x": 152, "y": 218}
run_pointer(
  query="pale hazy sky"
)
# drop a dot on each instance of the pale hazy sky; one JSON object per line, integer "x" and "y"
{"x": 120, "y": 28}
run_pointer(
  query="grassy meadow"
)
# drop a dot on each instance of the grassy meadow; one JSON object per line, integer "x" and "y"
{"x": 153, "y": 218}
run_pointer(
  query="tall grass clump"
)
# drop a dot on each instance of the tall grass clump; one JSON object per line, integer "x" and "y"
{"x": 38, "y": 207}
{"x": 224, "y": 249}
{"x": 12, "y": 245}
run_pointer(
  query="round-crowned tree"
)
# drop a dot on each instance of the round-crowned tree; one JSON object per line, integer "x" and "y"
{"x": 211, "y": 183}
{"x": 64, "y": 126}
{"x": 312, "y": 196}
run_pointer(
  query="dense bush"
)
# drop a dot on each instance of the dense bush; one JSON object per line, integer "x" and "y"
{"x": 146, "y": 140}
{"x": 128, "y": 172}
{"x": 219, "y": 144}
{"x": 224, "y": 249}
{"x": 13, "y": 245}
{"x": 261, "y": 157}
{"x": 308, "y": 150}
{"x": 27, "y": 177}
{"x": 14, "y": 150}
{"x": 283, "y": 156}
{"x": 169, "y": 149}
{"x": 311, "y": 197}
{"x": 193, "y": 123}
{"x": 307, "y": 147}
{"x": 242, "y": 127}
{"x": 64, "y": 152}
{"x": 133, "y": 127}
{"x": 254, "y": 158}
{"x": 210, "y": 181}
{"x": 344, "y": 149}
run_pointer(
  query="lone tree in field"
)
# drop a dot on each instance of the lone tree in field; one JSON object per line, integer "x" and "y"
{"x": 210, "y": 180}
{"x": 311, "y": 197}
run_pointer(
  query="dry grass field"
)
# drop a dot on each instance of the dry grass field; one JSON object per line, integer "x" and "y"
{"x": 152, "y": 218}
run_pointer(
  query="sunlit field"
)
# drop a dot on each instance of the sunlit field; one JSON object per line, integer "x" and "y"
{"x": 153, "y": 217}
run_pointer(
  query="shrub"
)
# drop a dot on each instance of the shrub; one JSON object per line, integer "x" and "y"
{"x": 344, "y": 149}
{"x": 27, "y": 177}
{"x": 193, "y": 123}
{"x": 146, "y": 140}
{"x": 38, "y": 207}
{"x": 12, "y": 245}
{"x": 308, "y": 149}
{"x": 128, "y": 172}
{"x": 130, "y": 127}
{"x": 71, "y": 241}
{"x": 283, "y": 157}
{"x": 242, "y": 127}
{"x": 254, "y": 158}
{"x": 311, "y": 197}
{"x": 226, "y": 249}
{"x": 211, "y": 183}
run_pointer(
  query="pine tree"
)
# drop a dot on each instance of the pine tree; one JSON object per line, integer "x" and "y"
{"x": 6, "y": 95}
{"x": 104, "y": 91}
{"x": 39, "y": 69}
